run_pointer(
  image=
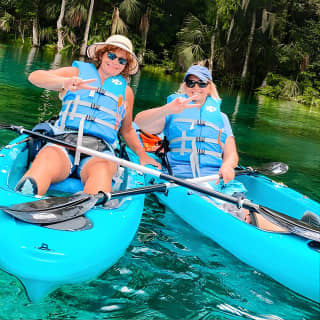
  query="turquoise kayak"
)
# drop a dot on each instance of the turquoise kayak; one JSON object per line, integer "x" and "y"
{"x": 289, "y": 259}
{"x": 43, "y": 257}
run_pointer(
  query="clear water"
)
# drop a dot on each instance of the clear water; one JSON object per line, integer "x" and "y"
{"x": 171, "y": 271}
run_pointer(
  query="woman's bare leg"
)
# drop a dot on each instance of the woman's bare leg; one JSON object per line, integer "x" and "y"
{"x": 50, "y": 165}
{"x": 97, "y": 175}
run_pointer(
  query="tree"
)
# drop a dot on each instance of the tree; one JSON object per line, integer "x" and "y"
{"x": 250, "y": 41}
{"x": 193, "y": 41}
{"x": 86, "y": 32}
{"x": 117, "y": 25}
{"x": 35, "y": 24}
{"x": 144, "y": 28}
{"x": 60, "y": 43}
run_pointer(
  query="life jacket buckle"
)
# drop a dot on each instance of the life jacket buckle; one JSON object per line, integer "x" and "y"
{"x": 89, "y": 118}
{"x": 94, "y": 106}
{"x": 101, "y": 91}
{"x": 200, "y": 139}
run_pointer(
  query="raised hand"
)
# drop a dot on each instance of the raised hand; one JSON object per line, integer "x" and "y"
{"x": 75, "y": 83}
{"x": 180, "y": 103}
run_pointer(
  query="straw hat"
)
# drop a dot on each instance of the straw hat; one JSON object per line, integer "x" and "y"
{"x": 119, "y": 41}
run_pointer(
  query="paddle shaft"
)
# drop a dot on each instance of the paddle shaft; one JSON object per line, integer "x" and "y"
{"x": 294, "y": 224}
{"x": 245, "y": 203}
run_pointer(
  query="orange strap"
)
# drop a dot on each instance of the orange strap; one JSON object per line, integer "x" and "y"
{"x": 219, "y": 140}
{"x": 151, "y": 142}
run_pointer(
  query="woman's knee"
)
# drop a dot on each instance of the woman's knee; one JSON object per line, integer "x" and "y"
{"x": 98, "y": 167}
{"x": 53, "y": 161}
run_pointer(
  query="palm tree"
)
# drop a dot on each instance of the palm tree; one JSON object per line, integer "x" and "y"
{"x": 250, "y": 41}
{"x": 193, "y": 40}
{"x": 117, "y": 24}
{"x": 35, "y": 23}
{"x": 86, "y": 32}
{"x": 212, "y": 43}
{"x": 6, "y": 21}
{"x": 76, "y": 13}
{"x": 60, "y": 43}
{"x": 144, "y": 28}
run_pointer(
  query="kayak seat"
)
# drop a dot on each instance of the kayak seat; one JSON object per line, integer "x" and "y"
{"x": 73, "y": 184}
{"x": 70, "y": 184}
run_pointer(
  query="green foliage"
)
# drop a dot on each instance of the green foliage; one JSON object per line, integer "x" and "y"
{"x": 192, "y": 41}
{"x": 279, "y": 86}
{"x": 286, "y": 41}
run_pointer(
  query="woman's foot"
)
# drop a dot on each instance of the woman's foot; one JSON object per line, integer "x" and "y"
{"x": 27, "y": 186}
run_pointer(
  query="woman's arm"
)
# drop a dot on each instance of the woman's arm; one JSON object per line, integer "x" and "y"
{"x": 153, "y": 120}
{"x": 229, "y": 161}
{"x": 129, "y": 134}
{"x": 60, "y": 79}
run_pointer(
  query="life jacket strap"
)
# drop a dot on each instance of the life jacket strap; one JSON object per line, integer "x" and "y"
{"x": 91, "y": 118}
{"x": 199, "y": 123}
{"x": 198, "y": 151}
{"x": 107, "y": 94}
{"x": 198, "y": 139}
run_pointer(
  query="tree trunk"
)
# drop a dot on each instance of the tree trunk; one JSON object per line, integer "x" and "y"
{"x": 35, "y": 32}
{"x": 250, "y": 41}
{"x": 60, "y": 43}
{"x": 144, "y": 27}
{"x": 115, "y": 18}
{"x": 230, "y": 30}
{"x": 21, "y": 29}
{"x": 86, "y": 33}
{"x": 213, "y": 40}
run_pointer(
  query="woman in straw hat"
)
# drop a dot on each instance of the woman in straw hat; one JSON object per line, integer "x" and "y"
{"x": 96, "y": 104}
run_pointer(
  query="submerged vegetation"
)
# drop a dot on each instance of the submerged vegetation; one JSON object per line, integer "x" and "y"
{"x": 272, "y": 46}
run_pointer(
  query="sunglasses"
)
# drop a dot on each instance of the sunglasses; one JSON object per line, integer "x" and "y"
{"x": 192, "y": 83}
{"x": 113, "y": 56}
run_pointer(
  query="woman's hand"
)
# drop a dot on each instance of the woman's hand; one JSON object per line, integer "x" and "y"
{"x": 76, "y": 83}
{"x": 226, "y": 173}
{"x": 180, "y": 103}
{"x": 144, "y": 159}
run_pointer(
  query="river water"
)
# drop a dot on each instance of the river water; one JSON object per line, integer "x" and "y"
{"x": 171, "y": 271}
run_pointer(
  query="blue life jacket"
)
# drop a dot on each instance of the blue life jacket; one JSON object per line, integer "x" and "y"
{"x": 97, "y": 113}
{"x": 196, "y": 138}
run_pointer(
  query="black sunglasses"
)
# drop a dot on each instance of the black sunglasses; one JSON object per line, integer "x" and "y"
{"x": 192, "y": 83}
{"x": 113, "y": 56}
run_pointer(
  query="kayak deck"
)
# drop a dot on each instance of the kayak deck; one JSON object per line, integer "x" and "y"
{"x": 44, "y": 258}
{"x": 289, "y": 259}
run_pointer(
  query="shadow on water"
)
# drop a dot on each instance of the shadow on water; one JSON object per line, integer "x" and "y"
{"x": 171, "y": 271}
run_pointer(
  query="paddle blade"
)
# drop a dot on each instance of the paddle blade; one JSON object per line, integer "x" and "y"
{"x": 272, "y": 168}
{"x": 295, "y": 226}
{"x": 50, "y": 203}
{"x": 6, "y": 126}
{"x": 54, "y": 215}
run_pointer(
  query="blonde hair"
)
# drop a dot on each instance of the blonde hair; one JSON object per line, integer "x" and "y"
{"x": 213, "y": 92}
{"x": 100, "y": 52}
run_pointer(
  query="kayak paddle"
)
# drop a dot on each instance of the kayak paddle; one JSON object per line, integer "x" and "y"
{"x": 295, "y": 226}
{"x": 59, "y": 209}
{"x": 268, "y": 169}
